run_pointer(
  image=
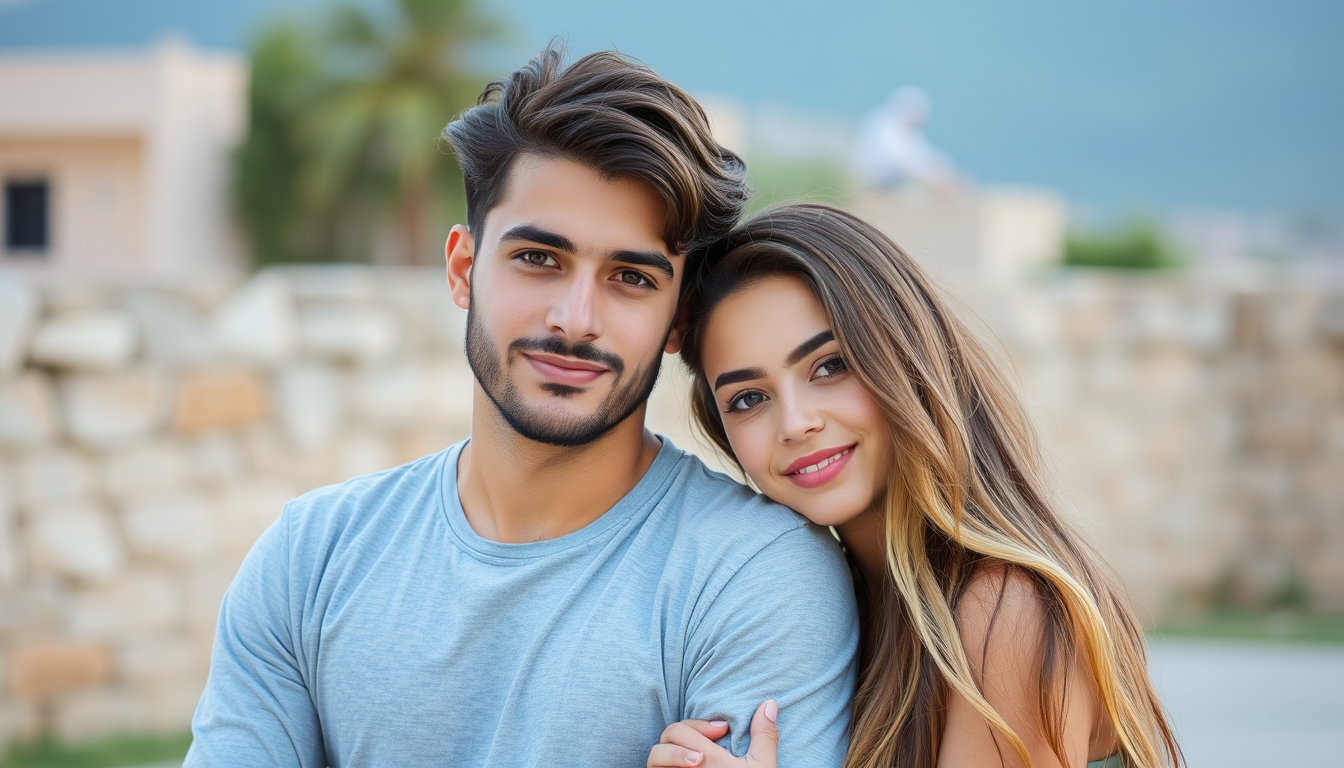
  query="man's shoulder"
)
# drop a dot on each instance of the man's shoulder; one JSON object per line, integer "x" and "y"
{"x": 714, "y": 512}
{"x": 374, "y": 500}
{"x": 704, "y": 495}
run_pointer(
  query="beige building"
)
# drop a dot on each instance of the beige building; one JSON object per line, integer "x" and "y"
{"x": 116, "y": 164}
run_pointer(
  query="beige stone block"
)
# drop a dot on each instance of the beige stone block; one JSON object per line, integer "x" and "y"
{"x": 450, "y": 386}
{"x": 171, "y": 704}
{"x": 1315, "y": 374}
{"x": 1283, "y": 431}
{"x": 257, "y": 322}
{"x": 175, "y": 332}
{"x": 103, "y": 410}
{"x": 205, "y": 584}
{"x": 27, "y": 411}
{"x": 44, "y": 669}
{"x": 248, "y": 509}
{"x": 334, "y": 283}
{"x": 365, "y": 454}
{"x": 157, "y": 659}
{"x": 310, "y": 404}
{"x": 358, "y": 333}
{"x": 134, "y": 605}
{"x": 52, "y": 475}
{"x": 422, "y": 443}
{"x": 175, "y": 526}
{"x": 155, "y": 466}
{"x": 216, "y": 457}
{"x": 18, "y": 313}
{"x": 219, "y": 400}
{"x": 98, "y": 713}
{"x": 10, "y": 552}
{"x": 74, "y": 539}
{"x": 391, "y": 397}
{"x": 94, "y": 340}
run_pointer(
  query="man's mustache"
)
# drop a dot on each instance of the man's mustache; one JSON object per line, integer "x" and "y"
{"x": 582, "y": 350}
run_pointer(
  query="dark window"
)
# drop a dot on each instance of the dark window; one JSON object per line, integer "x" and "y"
{"x": 27, "y": 225}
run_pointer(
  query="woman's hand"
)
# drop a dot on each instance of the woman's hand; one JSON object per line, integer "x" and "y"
{"x": 691, "y": 743}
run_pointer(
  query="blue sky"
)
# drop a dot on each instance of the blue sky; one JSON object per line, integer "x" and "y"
{"x": 1142, "y": 105}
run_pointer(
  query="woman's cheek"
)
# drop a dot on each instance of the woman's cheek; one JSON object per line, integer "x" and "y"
{"x": 751, "y": 444}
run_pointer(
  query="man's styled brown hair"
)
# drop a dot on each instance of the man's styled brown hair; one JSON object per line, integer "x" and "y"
{"x": 610, "y": 113}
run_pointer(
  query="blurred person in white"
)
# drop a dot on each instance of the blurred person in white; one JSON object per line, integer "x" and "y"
{"x": 561, "y": 586}
{"x": 890, "y": 149}
{"x": 829, "y": 369}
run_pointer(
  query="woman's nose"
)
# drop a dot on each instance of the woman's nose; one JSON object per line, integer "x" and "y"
{"x": 798, "y": 418}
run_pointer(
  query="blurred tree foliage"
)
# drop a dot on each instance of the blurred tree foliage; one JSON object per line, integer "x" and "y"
{"x": 1138, "y": 246}
{"x": 342, "y": 148}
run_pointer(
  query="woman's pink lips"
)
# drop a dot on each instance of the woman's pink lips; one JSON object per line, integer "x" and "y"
{"x": 565, "y": 370}
{"x": 826, "y": 473}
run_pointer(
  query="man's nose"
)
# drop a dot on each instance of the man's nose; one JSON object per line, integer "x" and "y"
{"x": 576, "y": 312}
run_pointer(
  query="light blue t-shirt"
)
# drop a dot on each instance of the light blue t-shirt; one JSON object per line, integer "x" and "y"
{"x": 371, "y": 626}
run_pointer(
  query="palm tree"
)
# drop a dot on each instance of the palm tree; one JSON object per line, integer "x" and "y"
{"x": 393, "y": 81}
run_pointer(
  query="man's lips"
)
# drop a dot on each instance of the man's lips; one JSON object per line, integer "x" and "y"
{"x": 565, "y": 370}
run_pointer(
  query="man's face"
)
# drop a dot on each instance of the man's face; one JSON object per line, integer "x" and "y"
{"x": 572, "y": 296}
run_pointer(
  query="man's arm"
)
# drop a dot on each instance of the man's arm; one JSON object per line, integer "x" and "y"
{"x": 256, "y": 709}
{"x": 783, "y": 627}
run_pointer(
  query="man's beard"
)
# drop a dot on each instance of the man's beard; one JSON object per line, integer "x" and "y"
{"x": 550, "y": 429}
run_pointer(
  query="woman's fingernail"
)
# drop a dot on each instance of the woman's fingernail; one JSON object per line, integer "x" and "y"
{"x": 692, "y": 758}
{"x": 718, "y": 723}
{"x": 772, "y": 711}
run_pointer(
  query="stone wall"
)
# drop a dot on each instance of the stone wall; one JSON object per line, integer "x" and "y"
{"x": 1195, "y": 431}
{"x": 148, "y": 434}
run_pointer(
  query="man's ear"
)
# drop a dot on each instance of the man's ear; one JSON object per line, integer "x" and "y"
{"x": 680, "y": 325}
{"x": 460, "y": 251}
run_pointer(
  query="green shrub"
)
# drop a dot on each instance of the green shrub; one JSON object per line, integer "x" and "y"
{"x": 109, "y": 753}
{"x": 1138, "y": 246}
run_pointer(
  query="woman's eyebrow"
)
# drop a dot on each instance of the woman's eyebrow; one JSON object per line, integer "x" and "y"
{"x": 741, "y": 374}
{"x": 808, "y": 347}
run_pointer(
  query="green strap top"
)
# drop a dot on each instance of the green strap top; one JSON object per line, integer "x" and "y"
{"x": 1114, "y": 761}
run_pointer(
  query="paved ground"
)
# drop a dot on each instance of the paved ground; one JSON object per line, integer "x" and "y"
{"x": 1253, "y": 705}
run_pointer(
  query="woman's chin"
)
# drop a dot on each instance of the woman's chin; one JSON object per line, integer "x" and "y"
{"x": 831, "y": 507}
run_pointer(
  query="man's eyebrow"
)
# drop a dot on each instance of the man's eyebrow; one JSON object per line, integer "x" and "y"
{"x": 808, "y": 347}
{"x": 645, "y": 259}
{"x": 741, "y": 374}
{"x": 533, "y": 234}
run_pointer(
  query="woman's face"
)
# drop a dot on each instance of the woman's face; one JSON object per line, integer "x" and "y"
{"x": 804, "y": 428}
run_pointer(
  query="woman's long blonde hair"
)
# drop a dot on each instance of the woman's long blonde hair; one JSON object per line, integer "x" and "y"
{"x": 965, "y": 494}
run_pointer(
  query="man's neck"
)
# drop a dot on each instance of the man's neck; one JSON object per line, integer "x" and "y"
{"x": 515, "y": 490}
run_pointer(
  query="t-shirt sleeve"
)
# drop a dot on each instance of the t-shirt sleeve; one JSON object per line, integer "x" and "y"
{"x": 256, "y": 709}
{"x": 783, "y": 627}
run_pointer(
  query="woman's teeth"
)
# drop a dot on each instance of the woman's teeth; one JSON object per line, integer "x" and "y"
{"x": 814, "y": 467}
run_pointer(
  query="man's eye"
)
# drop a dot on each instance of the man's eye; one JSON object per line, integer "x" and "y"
{"x": 831, "y": 366}
{"x": 538, "y": 258}
{"x": 745, "y": 402}
{"x": 637, "y": 279}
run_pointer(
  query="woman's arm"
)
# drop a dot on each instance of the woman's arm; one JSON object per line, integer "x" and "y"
{"x": 1002, "y": 622}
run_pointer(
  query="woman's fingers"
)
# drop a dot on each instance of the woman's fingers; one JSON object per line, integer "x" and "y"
{"x": 683, "y": 735}
{"x": 673, "y": 756}
{"x": 710, "y": 729}
{"x": 763, "y": 752}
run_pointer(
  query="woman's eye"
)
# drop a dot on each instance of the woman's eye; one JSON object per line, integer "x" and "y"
{"x": 745, "y": 402}
{"x": 636, "y": 279}
{"x": 538, "y": 258}
{"x": 831, "y": 366}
